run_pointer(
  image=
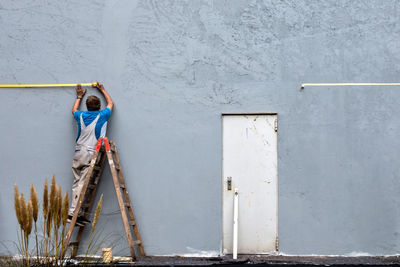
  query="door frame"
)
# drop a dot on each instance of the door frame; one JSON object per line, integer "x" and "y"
{"x": 222, "y": 173}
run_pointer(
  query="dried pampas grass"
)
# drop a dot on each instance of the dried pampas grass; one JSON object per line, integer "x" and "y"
{"x": 58, "y": 208}
{"x": 45, "y": 199}
{"x": 35, "y": 203}
{"x": 53, "y": 195}
{"x": 97, "y": 214}
{"x": 30, "y": 217}
{"x": 65, "y": 208}
{"x": 24, "y": 212}
{"x": 17, "y": 206}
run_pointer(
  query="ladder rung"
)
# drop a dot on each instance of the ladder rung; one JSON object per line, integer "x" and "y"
{"x": 137, "y": 242}
{"x": 95, "y": 177}
{"x": 96, "y": 173}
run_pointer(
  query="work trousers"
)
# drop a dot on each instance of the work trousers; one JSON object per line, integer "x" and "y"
{"x": 80, "y": 167}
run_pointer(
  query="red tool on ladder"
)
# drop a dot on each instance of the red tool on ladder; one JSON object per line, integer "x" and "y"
{"x": 87, "y": 195}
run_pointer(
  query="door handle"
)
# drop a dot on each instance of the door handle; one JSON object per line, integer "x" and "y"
{"x": 229, "y": 183}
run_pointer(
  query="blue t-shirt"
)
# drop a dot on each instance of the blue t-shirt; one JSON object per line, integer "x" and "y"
{"x": 89, "y": 116}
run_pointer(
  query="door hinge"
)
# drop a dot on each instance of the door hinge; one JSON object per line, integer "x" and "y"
{"x": 277, "y": 243}
{"x": 276, "y": 125}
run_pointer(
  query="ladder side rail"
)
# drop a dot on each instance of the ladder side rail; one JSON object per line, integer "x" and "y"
{"x": 119, "y": 197}
{"x": 127, "y": 198}
{"x": 80, "y": 199}
{"x": 96, "y": 181}
{"x": 90, "y": 203}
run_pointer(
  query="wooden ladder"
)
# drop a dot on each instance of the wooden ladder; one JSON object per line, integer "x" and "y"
{"x": 86, "y": 198}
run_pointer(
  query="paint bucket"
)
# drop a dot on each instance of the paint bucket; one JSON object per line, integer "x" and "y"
{"x": 107, "y": 255}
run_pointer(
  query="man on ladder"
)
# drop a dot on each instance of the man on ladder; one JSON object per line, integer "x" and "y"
{"x": 92, "y": 125}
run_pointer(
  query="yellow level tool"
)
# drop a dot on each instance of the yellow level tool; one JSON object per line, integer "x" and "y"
{"x": 303, "y": 85}
{"x": 46, "y": 85}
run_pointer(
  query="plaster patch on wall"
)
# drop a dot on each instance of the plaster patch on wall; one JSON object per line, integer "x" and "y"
{"x": 201, "y": 253}
{"x": 196, "y": 48}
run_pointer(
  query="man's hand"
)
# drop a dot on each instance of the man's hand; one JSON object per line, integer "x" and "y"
{"x": 110, "y": 103}
{"x": 79, "y": 92}
{"x": 100, "y": 87}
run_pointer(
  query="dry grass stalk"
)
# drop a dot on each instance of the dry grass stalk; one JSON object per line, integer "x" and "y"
{"x": 56, "y": 212}
{"x": 64, "y": 212}
{"x": 17, "y": 206}
{"x": 45, "y": 199}
{"x": 35, "y": 203}
{"x": 30, "y": 217}
{"x": 45, "y": 217}
{"x": 28, "y": 228}
{"x": 50, "y": 212}
{"x": 35, "y": 207}
{"x": 24, "y": 211}
{"x": 18, "y": 212}
{"x": 98, "y": 210}
{"x": 53, "y": 194}
{"x": 58, "y": 208}
{"x": 65, "y": 208}
{"x": 26, "y": 215}
{"x": 48, "y": 226}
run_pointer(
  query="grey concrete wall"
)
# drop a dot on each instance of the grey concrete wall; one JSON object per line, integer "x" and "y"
{"x": 173, "y": 68}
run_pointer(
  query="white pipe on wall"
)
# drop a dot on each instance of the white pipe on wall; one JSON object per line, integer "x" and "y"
{"x": 303, "y": 85}
{"x": 235, "y": 222}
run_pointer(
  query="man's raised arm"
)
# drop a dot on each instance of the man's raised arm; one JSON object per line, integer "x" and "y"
{"x": 79, "y": 95}
{"x": 110, "y": 103}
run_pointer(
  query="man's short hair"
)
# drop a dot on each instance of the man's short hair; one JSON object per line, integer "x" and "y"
{"x": 93, "y": 103}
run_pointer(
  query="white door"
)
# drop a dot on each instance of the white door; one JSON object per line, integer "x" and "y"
{"x": 250, "y": 162}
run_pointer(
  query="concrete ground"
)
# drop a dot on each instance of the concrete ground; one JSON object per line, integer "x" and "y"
{"x": 253, "y": 260}
{"x": 262, "y": 260}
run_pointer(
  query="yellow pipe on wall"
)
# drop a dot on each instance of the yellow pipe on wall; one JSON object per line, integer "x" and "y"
{"x": 45, "y": 85}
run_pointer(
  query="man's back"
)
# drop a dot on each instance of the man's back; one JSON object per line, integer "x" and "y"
{"x": 89, "y": 116}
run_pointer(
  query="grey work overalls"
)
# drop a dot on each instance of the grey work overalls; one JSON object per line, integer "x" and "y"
{"x": 85, "y": 146}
